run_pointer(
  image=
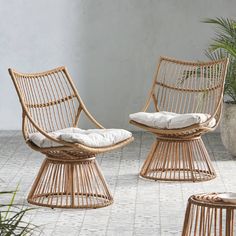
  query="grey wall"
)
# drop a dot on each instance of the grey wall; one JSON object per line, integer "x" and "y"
{"x": 110, "y": 47}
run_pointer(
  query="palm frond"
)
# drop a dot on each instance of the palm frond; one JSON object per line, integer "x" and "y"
{"x": 224, "y": 45}
{"x": 224, "y": 26}
{"x": 12, "y": 218}
{"x": 11, "y": 202}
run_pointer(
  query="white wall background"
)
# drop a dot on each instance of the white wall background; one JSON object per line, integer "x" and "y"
{"x": 110, "y": 47}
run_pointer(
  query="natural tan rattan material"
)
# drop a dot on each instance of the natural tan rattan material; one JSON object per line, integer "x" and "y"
{"x": 69, "y": 176}
{"x": 183, "y": 87}
{"x": 207, "y": 214}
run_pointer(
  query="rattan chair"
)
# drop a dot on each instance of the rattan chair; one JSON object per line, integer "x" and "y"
{"x": 69, "y": 176}
{"x": 183, "y": 87}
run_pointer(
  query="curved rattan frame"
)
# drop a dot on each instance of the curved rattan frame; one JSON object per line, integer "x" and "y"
{"x": 69, "y": 176}
{"x": 180, "y": 154}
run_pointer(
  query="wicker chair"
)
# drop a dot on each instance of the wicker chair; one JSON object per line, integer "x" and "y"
{"x": 69, "y": 176}
{"x": 183, "y": 87}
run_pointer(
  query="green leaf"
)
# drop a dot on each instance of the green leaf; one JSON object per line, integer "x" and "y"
{"x": 12, "y": 200}
{"x": 224, "y": 45}
{"x": 12, "y": 218}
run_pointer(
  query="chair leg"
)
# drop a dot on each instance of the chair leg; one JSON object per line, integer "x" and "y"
{"x": 70, "y": 184}
{"x": 178, "y": 160}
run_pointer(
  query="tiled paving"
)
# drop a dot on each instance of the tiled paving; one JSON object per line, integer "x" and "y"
{"x": 140, "y": 207}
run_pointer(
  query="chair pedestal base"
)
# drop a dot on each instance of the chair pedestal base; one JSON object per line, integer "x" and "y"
{"x": 178, "y": 160}
{"x": 70, "y": 184}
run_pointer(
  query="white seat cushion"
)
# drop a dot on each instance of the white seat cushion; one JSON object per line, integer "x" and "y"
{"x": 90, "y": 137}
{"x": 170, "y": 120}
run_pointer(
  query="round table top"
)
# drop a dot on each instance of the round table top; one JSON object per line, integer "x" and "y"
{"x": 210, "y": 200}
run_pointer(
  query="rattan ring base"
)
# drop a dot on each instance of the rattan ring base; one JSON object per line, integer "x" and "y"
{"x": 64, "y": 183}
{"x": 178, "y": 160}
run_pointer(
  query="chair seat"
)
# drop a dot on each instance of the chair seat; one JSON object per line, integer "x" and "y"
{"x": 171, "y": 120}
{"x": 91, "y": 137}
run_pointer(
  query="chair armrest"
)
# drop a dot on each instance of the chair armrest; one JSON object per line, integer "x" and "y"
{"x": 217, "y": 113}
{"x": 90, "y": 117}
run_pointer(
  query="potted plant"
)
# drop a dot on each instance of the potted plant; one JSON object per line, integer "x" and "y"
{"x": 224, "y": 45}
{"x": 12, "y": 220}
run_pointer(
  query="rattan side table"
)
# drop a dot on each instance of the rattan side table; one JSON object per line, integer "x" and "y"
{"x": 208, "y": 214}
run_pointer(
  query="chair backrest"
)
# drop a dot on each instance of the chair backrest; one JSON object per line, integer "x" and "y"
{"x": 188, "y": 87}
{"x": 49, "y": 100}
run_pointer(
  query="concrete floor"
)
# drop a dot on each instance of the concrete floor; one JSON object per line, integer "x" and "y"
{"x": 140, "y": 207}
